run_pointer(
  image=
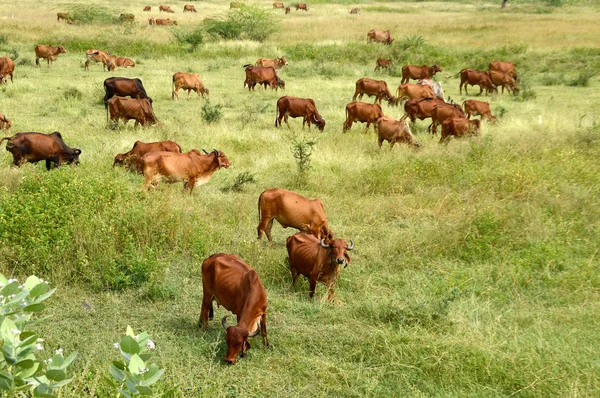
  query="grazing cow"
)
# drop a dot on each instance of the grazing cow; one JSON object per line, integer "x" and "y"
{"x": 7, "y": 68}
{"x": 278, "y": 5}
{"x": 363, "y": 113}
{"x": 50, "y": 53}
{"x": 435, "y": 86}
{"x": 235, "y": 4}
{"x": 148, "y": 8}
{"x": 383, "y": 63}
{"x": 301, "y": 6}
{"x": 151, "y": 21}
{"x": 298, "y": 107}
{"x": 277, "y": 63}
{"x": 63, "y": 15}
{"x": 442, "y": 112}
{"x": 122, "y": 62}
{"x": 262, "y": 75}
{"x": 391, "y": 130}
{"x": 420, "y": 108}
{"x": 133, "y": 158}
{"x": 189, "y": 8}
{"x": 504, "y": 80}
{"x": 5, "y": 123}
{"x": 291, "y": 210}
{"x": 124, "y": 87}
{"x": 414, "y": 91}
{"x": 371, "y": 87}
{"x": 164, "y": 21}
{"x": 419, "y": 72}
{"x": 355, "y": 10}
{"x": 33, "y": 147}
{"x": 227, "y": 279}
{"x": 473, "y": 107}
{"x": 505, "y": 67}
{"x": 127, "y": 17}
{"x": 476, "y": 78}
{"x": 125, "y": 109}
{"x": 189, "y": 82}
{"x": 101, "y": 56}
{"x": 191, "y": 167}
{"x": 317, "y": 259}
{"x": 165, "y": 9}
{"x": 288, "y": 10}
{"x": 459, "y": 127}
{"x": 379, "y": 36}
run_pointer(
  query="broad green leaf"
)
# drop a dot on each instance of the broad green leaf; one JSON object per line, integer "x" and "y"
{"x": 3, "y": 280}
{"x": 116, "y": 373}
{"x": 24, "y": 363}
{"x": 31, "y": 282}
{"x": 15, "y": 301}
{"x": 142, "y": 340}
{"x": 44, "y": 296}
{"x": 68, "y": 360}
{"x": 129, "y": 331}
{"x": 43, "y": 390}
{"x": 56, "y": 374}
{"x": 119, "y": 365}
{"x": 57, "y": 362}
{"x": 131, "y": 387}
{"x": 61, "y": 383}
{"x": 6, "y": 331}
{"x": 25, "y": 351}
{"x": 11, "y": 288}
{"x": 135, "y": 364}
{"x": 144, "y": 390}
{"x": 153, "y": 378}
{"x": 38, "y": 307}
{"x": 129, "y": 345}
{"x": 124, "y": 393}
{"x": 5, "y": 384}
{"x": 27, "y": 334}
{"x": 109, "y": 381}
{"x": 145, "y": 357}
{"x": 38, "y": 290}
{"x": 29, "y": 372}
{"x": 27, "y": 338}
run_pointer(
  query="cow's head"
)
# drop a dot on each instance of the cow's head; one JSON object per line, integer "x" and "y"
{"x": 282, "y": 61}
{"x": 281, "y": 84}
{"x": 61, "y": 50}
{"x": 319, "y": 121}
{"x": 221, "y": 158}
{"x": 435, "y": 69}
{"x": 237, "y": 341}
{"x": 119, "y": 160}
{"x": 338, "y": 251}
{"x": 71, "y": 156}
{"x": 392, "y": 101}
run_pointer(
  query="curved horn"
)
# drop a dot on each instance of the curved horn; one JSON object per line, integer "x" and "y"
{"x": 315, "y": 117}
{"x": 204, "y": 150}
{"x": 217, "y": 152}
{"x": 255, "y": 333}
{"x": 323, "y": 245}
{"x": 224, "y": 322}
{"x": 351, "y": 245}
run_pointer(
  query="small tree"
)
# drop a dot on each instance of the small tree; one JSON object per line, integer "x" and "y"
{"x": 302, "y": 150}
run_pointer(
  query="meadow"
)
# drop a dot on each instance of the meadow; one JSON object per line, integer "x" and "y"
{"x": 475, "y": 271}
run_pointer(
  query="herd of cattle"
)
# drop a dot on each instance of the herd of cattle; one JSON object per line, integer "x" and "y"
{"x": 313, "y": 252}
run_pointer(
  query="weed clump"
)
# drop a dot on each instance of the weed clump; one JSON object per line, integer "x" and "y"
{"x": 72, "y": 93}
{"x": 92, "y": 14}
{"x": 240, "y": 180}
{"x": 247, "y": 22}
{"x": 302, "y": 150}
{"x": 582, "y": 79}
{"x": 212, "y": 113}
{"x": 193, "y": 38}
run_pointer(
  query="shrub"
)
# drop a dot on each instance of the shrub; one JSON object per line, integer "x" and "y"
{"x": 3, "y": 39}
{"x": 240, "y": 180}
{"x": 192, "y": 38}
{"x": 302, "y": 150}
{"x": 72, "y": 93}
{"x": 25, "y": 62}
{"x": 247, "y": 22}
{"x": 582, "y": 79}
{"x": 93, "y": 14}
{"x": 212, "y": 113}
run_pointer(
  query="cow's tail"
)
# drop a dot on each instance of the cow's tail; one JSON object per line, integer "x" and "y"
{"x": 462, "y": 105}
{"x": 173, "y": 88}
{"x": 259, "y": 206}
{"x": 106, "y": 114}
{"x": 5, "y": 138}
{"x": 276, "y": 113}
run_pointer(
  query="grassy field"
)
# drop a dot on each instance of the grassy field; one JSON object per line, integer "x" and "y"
{"x": 475, "y": 271}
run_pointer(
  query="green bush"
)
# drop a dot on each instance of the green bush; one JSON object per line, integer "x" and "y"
{"x": 72, "y": 93}
{"x": 247, "y": 22}
{"x": 582, "y": 79}
{"x": 93, "y": 14}
{"x": 192, "y": 38}
{"x": 212, "y": 113}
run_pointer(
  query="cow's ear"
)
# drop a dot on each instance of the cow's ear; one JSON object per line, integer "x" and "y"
{"x": 347, "y": 257}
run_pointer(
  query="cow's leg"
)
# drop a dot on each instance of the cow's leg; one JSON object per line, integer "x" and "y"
{"x": 469, "y": 114}
{"x": 312, "y": 286}
{"x": 392, "y": 142}
{"x": 263, "y": 330}
{"x": 206, "y": 312}
{"x": 176, "y": 93}
{"x": 191, "y": 182}
{"x": 48, "y": 164}
{"x": 348, "y": 124}
{"x": 368, "y": 124}
{"x": 285, "y": 119}
{"x": 295, "y": 274}
{"x": 331, "y": 291}
{"x": 268, "y": 230}
{"x": 380, "y": 141}
{"x": 189, "y": 91}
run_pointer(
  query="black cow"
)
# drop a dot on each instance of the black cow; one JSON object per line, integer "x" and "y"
{"x": 124, "y": 87}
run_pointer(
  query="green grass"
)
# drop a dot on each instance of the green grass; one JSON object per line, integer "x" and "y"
{"x": 475, "y": 271}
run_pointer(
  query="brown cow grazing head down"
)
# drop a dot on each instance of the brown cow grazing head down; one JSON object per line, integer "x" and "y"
{"x": 414, "y": 91}
{"x": 165, "y": 9}
{"x": 383, "y": 63}
{"x": 504, "y": 67}
{"x": 459, "y": 127}
{"x": 50, "y": 53}
{"x": 355, "y": 10}
{"x": 101, "y": 56}
{"x": 148, "y": 8}
{"x": 34, "y": 147}
{"x": 392, "y": 131}
{"x": 191, "y": 167}
{"x": 125, "y": 109}
{"x": 379, "y": 36}
{"x": 301, "y": 6}
{"x": 189, "y": 8}
{"x": 442, "y": 112}
{"x": 124, "y": 87}
{"x": 420, "y": 108}
{"x": 476, "y": 78}
{"x": 376, "y": 88}
{"x": 298, "y": 107}
{"x": 132, "y": 159}
{"x": 317, "y": 260}
{"x": 481, "y": 108}
{"x": 278, "y": 5}
{"x": 419, "y": 72}
{"x": 63, "y": 15}
{"x": 189, "y": 82}
{"x": 291, "y": 210}
{"x": 504, "y": 80}
{"x": 288, "y": 10}
{"x": 7, "y": 68}
{"x": 151, "y": 21}
{"x": 363, "y": 113}
{"x": 227, "y": 279}
{"x": 5, "y": 123}
{"x": 266, "y": 76}
{"x": 127, "y": 17}
{"x": 277, "y": 63}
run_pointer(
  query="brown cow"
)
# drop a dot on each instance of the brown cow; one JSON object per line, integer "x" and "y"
{"x": 435, "y": 86}
{"x": 473, "y": 107}
{"x": 318, "y": 260}
{"x": 164, "y": 21}
{"x": 298, "y": 107}
{"x": 459, "y": 127}
{"x": 476, "y": 78}
{"x": 363, "y": 113}
{"x": 63, "y": 15}
{"x": 379, "y": 36}
{"x": 291, "y": 210}
{"x": 442, "y": 112}
{"x": 165, "y": 9}
{"x": 301, "y": 6}
{"x": 151, "y": 21}
{"x": 383, "y": 63}
{"x": 419, "y": 72}
{"x": 189, "y": 8}
{"x": 148, "y": 8}
{"x": 124, "y": 87}
{"x": 371, "y": 87}
{"x": 504, "y": 80}
{"x": 5, "y": 123}
{"x": 127, "y": 17}
{"x": 505, "y": 67}
{"x": 391, "y": 130}
{"x": 122, "y": 62}
{"x": 125, "y": 109}
{"x": 277, "y": 63}
{"x": 227, "y": 279}
{"x": 7, "y": 68}
{"x": 278, "y": 5}
{"x": 288, "y": 10}
{"x": 355, "y": 10}
{"x": 235, "y": 4}
{"x": 189, "y": 82}
{"x": 262, "y": 75}
{"x": 133, "y": 158}
{"x": 191, "y": 167}
{"x": 98, "y": 56}
{"x": 420, "y": 108}
{"x": 33, "y": 147}
{"x": 414, "y": 91}
{"x": 50, "y": 53}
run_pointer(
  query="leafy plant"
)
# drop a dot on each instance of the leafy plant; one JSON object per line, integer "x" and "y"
{"x": 302, "y": 150}
{"x": 72, "y": 93}
{"x": 582, "y": 79}
{"x": 212, "y": 113}
{"x": 240, "y": 180}
{"x": 192, "y": 38}
{"x": 133, "y": 374}
{"x": 246, "y": 22}
{"x": 90, "y": 14}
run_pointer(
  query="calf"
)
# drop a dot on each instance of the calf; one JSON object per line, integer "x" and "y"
{"x": 476, "y": 78}
{"x": 278, "y": 5}
{"x": 189, "y": 8}
{"x": 383, "y": 63}
{"x": 125, "y": 109}
{"x": 189, "y": 82}
{"x": 363, "y": 113}
{"x": 148, "y": 8}
{"x": 34, "y": 147}
{"x": 441, "y": 112}
{"x": 392, "y": 131}
{"x": 165, "y": 9}
{"x": 50, "y": 53}
{"x": 504, "y": 80}
{"x": 459, "y": 127}
{"x": 318, "y": 260}
{"x": 7, "y": 68}
{"x": 132, "y": 159}
{"x": 473, "y": 107}
{"x": 288, "y": 10}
